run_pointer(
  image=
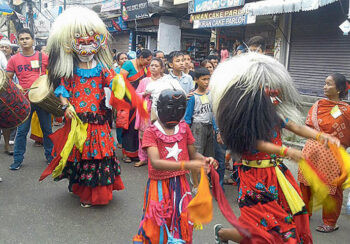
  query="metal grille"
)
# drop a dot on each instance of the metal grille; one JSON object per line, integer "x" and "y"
{"x": 318, "y": 48}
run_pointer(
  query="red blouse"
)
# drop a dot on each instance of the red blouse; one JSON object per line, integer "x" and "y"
{"x": 170, "y": 147}
{"x": 86, "y": 88}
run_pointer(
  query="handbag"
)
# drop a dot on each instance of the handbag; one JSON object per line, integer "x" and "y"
{"x": 123, "y": 113}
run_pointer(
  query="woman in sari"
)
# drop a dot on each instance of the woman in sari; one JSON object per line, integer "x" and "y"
{"x": 331, "y": 116}
{"x": 134, "y": 71}
{"x": 120, "y": 58}
{"x": 156, "y": 69}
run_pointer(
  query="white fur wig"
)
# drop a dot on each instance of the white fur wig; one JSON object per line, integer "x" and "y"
{"x": 251, "y": 72}
{"x": 75, "y": 20}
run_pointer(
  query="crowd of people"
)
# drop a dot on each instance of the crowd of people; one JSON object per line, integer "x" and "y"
{"x": 162, "y": 107}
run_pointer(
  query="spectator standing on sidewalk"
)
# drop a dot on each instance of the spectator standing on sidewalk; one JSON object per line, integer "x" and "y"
{"x": 199, "y": 116}
{"x": 26, "y": 66}
{"x": 224, "y": 53}
{"x": 257, "y": 44}
{"x": 332, "y": 116}
{"x": 214, "y": 59}
{"x": 177, "y": 64}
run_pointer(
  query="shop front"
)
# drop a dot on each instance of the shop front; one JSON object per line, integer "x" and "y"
{"x": 233, "y": 23}
{"x": 195, "y": 42}
{"x": 120, "y": 33}
{"x": 142, "y": 27}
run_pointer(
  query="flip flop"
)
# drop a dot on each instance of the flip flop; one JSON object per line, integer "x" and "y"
{"x": 326, "y": 228}
{"x": 127, "y": 160}
{"x": 140, "y": 163}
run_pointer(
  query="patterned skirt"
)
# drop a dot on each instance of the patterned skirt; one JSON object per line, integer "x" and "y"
{"x": 94, "y": 173}
{"x": 264, "y": 208}
{"x": 165, "y": 217}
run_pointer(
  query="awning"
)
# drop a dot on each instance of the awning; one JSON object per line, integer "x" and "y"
{"x": 268, "y": 7}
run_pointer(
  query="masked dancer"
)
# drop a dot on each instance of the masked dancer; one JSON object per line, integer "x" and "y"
{"x": 252, "y": 104}
{"x": 80, "y": 68}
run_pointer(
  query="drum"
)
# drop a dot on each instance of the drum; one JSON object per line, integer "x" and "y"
{"x": 41, "y": 94}
{"x": 14, "y": 106}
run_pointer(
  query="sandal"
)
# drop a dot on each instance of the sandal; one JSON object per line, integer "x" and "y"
{"x": 327, "y": 228}
{"x": 85, "y": 205}
{"x": 127, "y": 160}
{"x": 218, "y": 240}
{"x": 140, "y": 163}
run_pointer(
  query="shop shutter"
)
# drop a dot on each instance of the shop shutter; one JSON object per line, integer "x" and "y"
{"x": 318, "y": 48}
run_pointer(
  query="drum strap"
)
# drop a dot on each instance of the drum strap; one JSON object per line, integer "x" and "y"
{"x": 40, "y": 62}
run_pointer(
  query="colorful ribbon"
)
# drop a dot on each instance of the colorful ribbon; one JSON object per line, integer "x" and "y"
{"x": 76, "y": 137}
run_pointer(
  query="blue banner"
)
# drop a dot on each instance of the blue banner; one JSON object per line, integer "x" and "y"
{"x": 209, "y": 5}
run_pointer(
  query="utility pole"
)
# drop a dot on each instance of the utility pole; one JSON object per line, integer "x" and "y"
{"x": 31, "y": 15}
{"x": 9, "y": 21}
{"x": 64, "y": 4}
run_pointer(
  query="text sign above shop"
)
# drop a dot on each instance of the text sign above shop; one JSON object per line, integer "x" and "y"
{"x": 232, "y": 17}
{"x": 134, "y": 9}
{"x": 208, "y": 5}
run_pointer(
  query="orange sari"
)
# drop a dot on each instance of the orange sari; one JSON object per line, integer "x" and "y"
{"x": 321, "y": 119}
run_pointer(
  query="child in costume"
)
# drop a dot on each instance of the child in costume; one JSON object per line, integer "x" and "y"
{"x": 171, "y": 153}
{"x": 254, "y": 98}
{"x": 80, "y": 68}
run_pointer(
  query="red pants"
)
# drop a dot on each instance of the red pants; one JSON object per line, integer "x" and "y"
{"x": 329, "y": 218}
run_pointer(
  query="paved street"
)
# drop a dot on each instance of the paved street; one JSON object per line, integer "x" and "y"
{"x": 33, "y": 212}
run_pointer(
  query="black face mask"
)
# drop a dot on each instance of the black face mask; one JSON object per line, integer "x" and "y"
{"x": 171, "y": 107}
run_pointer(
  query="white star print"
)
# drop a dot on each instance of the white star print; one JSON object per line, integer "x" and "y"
{"x": 173, "y": 151}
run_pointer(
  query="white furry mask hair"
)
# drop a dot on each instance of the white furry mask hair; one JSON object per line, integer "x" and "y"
{"x": 252, "y": 71}
{"x": 243, "y": 90}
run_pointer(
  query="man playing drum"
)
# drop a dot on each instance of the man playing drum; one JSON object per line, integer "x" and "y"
{"x": 9, "y": 134}
{"x": 26, "y": 66}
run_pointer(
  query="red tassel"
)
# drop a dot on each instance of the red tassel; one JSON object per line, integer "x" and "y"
{"x": 184, "y": 227}
{"x": 136, "y": 101}
{"x": 58, "y": 139}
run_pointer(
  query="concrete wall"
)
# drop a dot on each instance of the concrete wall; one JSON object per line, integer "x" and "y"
{"x": 151, "y": 43}
{"x": 120, "y": 42}
{"x": 169, "y": 34}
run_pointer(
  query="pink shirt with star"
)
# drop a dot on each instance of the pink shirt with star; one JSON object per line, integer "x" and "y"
{"x": 170, "y": 147}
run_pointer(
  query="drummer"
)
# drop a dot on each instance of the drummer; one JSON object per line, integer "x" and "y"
{"x": 9, "y": 135}
{"x": 27, "y": 67}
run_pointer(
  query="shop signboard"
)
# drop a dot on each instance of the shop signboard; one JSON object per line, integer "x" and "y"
{"x": 116, "y": 25}
{"x": 221, "y": 18}
{"x": 208, "y": 5}
{"x": 110, "y": 5}
{"x": 134, "y": 9}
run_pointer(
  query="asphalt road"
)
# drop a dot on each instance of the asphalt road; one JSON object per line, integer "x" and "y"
{"x": 34, "y": 212}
